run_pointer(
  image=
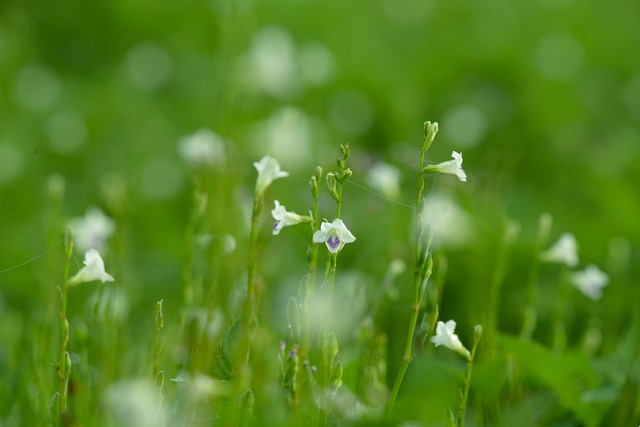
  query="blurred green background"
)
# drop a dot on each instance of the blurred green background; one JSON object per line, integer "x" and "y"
{"x": 542, "y": 98}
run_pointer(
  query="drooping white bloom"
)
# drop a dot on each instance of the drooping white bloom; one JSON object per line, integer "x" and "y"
{"x": 268, "y": 170}
{"x": 385, "y": 178}
{"x": 565, "y": 250}
{"x": 590, "y": 281}
{"x": 92, "y": 230}
{"x": 453, "y": 167}
{"x": 446, "y": 336}
{"x": 284, "y": 218}
{"x": 93, "y": 269}
{"x": 202, "y": 148}
{"x": 334, "y": 234}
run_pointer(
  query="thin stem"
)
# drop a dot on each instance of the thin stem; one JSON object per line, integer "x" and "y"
{"x": 63, "y": 360}
{"x": 467, "y": 376}
{"x": 330, "y": 276}
{"x": 531, "y": 293}
{"x": 249, "y": 312}
{"x": 422, "y": 267}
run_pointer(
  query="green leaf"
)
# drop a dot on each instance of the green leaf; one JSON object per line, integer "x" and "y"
{"x": 568, "y": 375}
{"x": 222, "y": 367}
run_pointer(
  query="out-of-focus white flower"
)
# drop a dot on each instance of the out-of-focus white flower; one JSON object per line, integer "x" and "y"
{"x": 446, "y": 336}
{"x": 201, "y": 386}
{"x": 385, "y": 178}
{"x": 133, "y": 403}
{"x": 451, "y": 225}
{"x": 565, "y": 250}
{"x": 453, "y": 167}
{"x": 284, "y": 218}
{"x": 273, "y": 62}
{"x": 268, "y": 170}
{"x": 334, "y": 234}
{"x": 92, "y": 230}
{"x": 93, "y": 269}
{"x": 590, "y": 281}
{"x": 202, "y": 148}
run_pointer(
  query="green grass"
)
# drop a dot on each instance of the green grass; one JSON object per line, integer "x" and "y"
{"x": 541, "y": 98}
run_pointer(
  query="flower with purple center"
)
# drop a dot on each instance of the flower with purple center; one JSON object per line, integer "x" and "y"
{"x": 284, "y": 218}
{"x": 334, "y": 234}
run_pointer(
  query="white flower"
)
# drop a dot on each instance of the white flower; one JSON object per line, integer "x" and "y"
{"x": 385, "y": 178}
{"x": 565, "y": 250}
{"x": 92, "y": 230}
{"x": 445, "y": 335}
{"x": 334, "y": 234}
{"x": 93, "y": 269}
{"x": 453, "y": 167}
{"x": 268, "y": 170}
{"x": 590, "y": 281}
{"x": 284, "y": 218}
{"x": 201, "y": 148}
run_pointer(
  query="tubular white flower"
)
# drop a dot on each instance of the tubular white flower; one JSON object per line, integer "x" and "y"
{"x": 453, "y": 167}
{"x": 268, "y": 170}
{"x": 565, "y": 250}
{"x": 93, "y": 270}
{"x": 334, "y": 234}
{"x": 445, "y": 335}
{"x": 284, "y": 218}
{"x": 590, "y": 281}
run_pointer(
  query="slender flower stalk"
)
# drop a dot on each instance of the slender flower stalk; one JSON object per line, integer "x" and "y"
{"x": 467, "y": 377}
{"x": 424, "y": 264}
{"x": 64, "y": 361}
{"x": 531, "y": 294}
{"x": 158, "y": 374}
{"x": 334, "y": 235}
{"x": 268, "y": 170}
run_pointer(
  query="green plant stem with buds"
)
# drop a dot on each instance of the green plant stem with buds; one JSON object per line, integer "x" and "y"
{"x": 64, "y": 361}
{"x": 423, "y": 267}
{"x": 335, "y": 183}
{"x": 467, "y": 377}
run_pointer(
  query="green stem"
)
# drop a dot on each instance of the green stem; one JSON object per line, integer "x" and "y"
{"x": 63, "y": 360}
{"x": 421, "y": 272}
{"x": 559, "y": 316}
{"x": 249, "y": 312}
{"x": 467, "y": 376}
{"x": 330, "y": 275}
{"x": 531, "y": 293}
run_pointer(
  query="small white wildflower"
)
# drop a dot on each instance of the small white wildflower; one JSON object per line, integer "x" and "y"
{"x": 93, "y": 269}
{"x": 590, "y": 281}
{"x": 453, "y": 167}
{"x": 334, "y": 234}
{"x": 445, "y": 335}
{"x": 92, "y": 230}
{"x": 268, "y": 170}
{"x": 284, "y": 218}
{"x": 202, "y": 148}
{"x": 565, "y": 250}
